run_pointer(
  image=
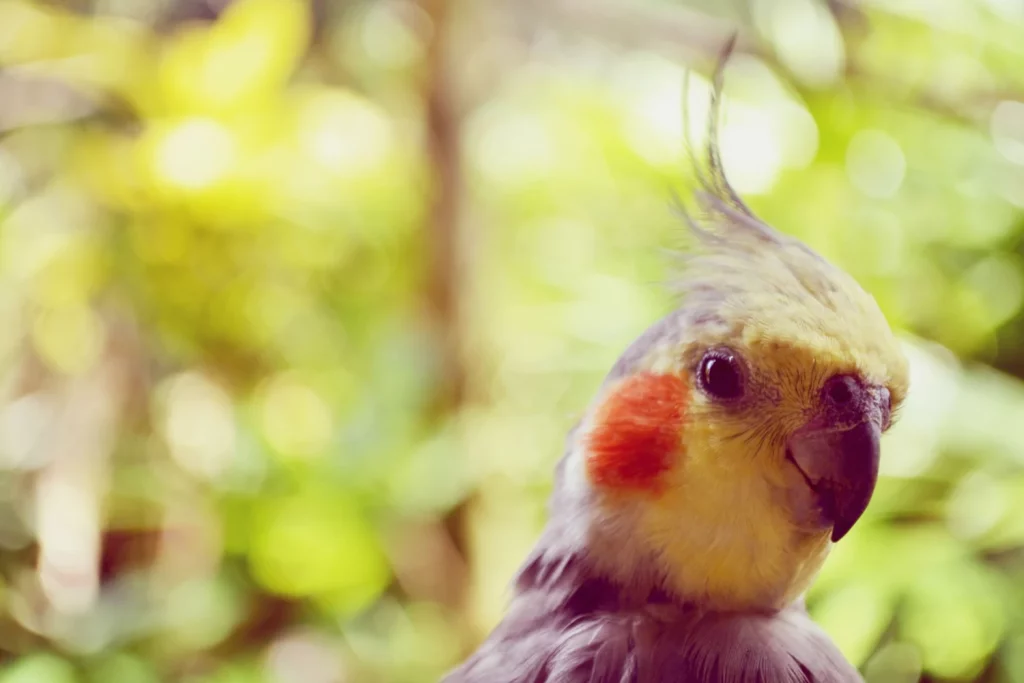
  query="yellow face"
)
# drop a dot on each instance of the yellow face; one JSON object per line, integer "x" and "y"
{"x": 743, "y": 437}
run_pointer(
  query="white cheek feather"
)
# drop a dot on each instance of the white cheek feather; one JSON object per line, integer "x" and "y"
{"x": 606, "y": 529}
{"x": 665, "y": 359}
{"x": 577, "y": 486}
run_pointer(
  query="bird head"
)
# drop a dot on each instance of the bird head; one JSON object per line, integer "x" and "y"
{"x": 738, "y": 438}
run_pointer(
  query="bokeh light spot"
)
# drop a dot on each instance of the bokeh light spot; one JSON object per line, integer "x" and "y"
{"x": 392, "y": 33}
{"x": 751, "y": 150}
{"x": 296, "y": 420}
{"x": 799, "y": 131}
{"x": 199, "y": 425}
{"x": 68, "y": 527}
{"x": 200, "y": 612}
{"x": 69, "y": 338}
{"x": 196, "y": 154}
{"x": 345, "y": 133}
{"x": 998, "y": 280}
{"x": 512, "y": 147}
{"x": 1007, "y": 128}
{"x": 650, "y": 87}
{"x": 806, "y": 37}
{"x": 314, "y": 545}
{"x": 23, "y": 427}
{"x": 976, "y": 505}
{"x": 913, "y": 444}
{"x": 875, "y": 164}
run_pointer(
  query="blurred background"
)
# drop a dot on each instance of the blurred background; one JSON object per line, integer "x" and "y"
{"x": 299, "y": 299}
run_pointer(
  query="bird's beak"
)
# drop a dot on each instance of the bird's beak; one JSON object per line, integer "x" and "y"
{"x": 838, "y": 454}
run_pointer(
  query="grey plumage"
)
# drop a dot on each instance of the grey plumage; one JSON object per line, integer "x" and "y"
{"x": 566, "y": 624}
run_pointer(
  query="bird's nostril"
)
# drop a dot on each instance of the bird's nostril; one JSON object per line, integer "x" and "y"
{"x": 840, "y": 390}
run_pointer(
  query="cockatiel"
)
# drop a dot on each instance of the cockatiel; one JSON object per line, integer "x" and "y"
{"x": 729, "y": 447}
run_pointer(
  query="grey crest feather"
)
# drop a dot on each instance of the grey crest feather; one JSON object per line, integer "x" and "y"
{"x": 717, "y": 200}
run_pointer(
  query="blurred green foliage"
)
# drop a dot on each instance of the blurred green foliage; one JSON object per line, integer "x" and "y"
{"x": 298, "y": 300}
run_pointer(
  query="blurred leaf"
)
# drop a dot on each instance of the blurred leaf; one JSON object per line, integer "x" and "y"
{"x": 39, "y": 668}
{"x": 200, "y": 613}
{"x": 244, "y": 57}
{"x": 122, "y": 668}
{"x": 317, "y": 544}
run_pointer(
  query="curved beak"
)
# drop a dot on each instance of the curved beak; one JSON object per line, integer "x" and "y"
{"x": 840, "y": 461}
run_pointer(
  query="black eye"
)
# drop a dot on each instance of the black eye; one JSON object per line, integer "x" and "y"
{"x": 720, "y": 375}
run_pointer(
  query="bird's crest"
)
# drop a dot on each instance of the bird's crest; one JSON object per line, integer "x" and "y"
{"x": 721, "y": 214}
{"x": 741, "y": 273}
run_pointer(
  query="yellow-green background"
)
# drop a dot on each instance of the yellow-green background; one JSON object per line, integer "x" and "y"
{"x": 298, "y": 300}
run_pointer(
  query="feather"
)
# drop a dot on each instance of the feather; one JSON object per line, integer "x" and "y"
{"x": 637, "y": 435}
{"x": 724, "y": 216}
{"x": 581, "y": 630}
{"x": 718, "y": 184}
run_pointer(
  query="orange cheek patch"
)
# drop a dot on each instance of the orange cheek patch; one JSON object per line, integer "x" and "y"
{"x": 636, "y": 433}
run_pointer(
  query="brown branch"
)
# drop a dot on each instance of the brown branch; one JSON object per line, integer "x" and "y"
{"x": 442, "y": 229}
{"x": 444, "y": 278}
